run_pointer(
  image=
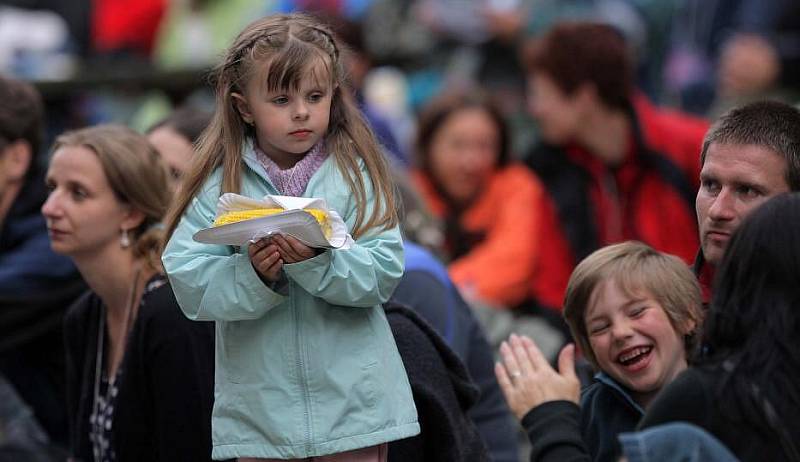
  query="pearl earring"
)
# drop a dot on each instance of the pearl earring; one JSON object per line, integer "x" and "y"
{"x": 124, "y": 240}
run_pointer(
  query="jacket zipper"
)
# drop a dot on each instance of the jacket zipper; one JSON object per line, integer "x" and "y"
{"x": 614, "y": 226}
{"x": 300, "y": 351}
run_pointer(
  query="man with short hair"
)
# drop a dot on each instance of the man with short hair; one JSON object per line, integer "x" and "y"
{"x": 749, "y": 155}
{"x": 36, "y": 285}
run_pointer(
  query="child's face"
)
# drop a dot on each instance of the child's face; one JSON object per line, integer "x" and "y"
{"x": 287, "y": 122}
{"x": 633, "y": 340}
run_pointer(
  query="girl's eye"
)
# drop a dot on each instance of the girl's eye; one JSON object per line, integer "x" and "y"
{"x": 280, "y": 100}
{"x": 598, "y": 329}
{"x": 50, "y": 186}
{"x": 315, "y": 97}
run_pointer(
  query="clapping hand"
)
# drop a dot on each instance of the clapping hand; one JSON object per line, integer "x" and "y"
{"x": 528, "y": 380}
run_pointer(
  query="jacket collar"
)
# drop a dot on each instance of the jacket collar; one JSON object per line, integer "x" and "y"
{"x": 607, "y": 380}
{"x": 705, "y": 276}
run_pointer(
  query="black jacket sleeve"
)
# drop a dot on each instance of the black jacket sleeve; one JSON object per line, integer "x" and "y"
{"x": 554, "y": 430}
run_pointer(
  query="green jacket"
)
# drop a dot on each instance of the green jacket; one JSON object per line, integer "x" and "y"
{"x": 312, "y": 370}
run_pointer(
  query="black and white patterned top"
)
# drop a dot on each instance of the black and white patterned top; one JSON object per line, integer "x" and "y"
{"x": 101, "y": 420}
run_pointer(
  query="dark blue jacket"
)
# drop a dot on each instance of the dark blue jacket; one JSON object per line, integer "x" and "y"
{"x": 561, "y": 431}
{"x": 36, "y": 287}
{"x": 606, "y": 411}
{"x": 27, "y": 265}
{"x": 427, "y": 289}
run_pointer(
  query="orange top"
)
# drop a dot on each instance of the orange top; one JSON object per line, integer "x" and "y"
{"x": 500, "y": 268}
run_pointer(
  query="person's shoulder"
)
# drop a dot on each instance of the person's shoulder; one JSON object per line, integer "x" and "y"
{"x": 81, "y": 310}
{"x": 159, "y": 306}
{"x": 591, "y": 390}
{"x": 674, "y": 133}
{"x": 417, "y": 342}
{"x": 685, "y": 398}
{"x": 696, "y": 378}
{"x": 212, "y": 184}
{"x": 592, "y": 393}
{"x": 161, "y": 319}
{"x": 514, "y": 180}
{"x": 406, "y": 325}
{"x": 604, "y": 395}
{"x": 517, "y": 173}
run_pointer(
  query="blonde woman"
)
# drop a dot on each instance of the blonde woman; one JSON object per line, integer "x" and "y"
{"x": 139, "y": 374}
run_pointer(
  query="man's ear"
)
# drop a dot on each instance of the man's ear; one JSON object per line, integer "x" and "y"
{"x": 16, "y": 159}
{"x": 240, "y": 103}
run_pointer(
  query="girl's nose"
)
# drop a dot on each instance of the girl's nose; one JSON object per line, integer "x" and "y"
{"x": 300, "y": 113}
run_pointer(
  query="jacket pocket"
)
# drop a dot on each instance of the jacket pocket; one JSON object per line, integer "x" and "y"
{"x": 366, "y": 388}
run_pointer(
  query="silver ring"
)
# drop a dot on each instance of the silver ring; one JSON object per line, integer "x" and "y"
{"x": 515, "y": 374}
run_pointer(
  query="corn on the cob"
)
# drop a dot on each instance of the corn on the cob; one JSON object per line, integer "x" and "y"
{"x": 241, "y": 215}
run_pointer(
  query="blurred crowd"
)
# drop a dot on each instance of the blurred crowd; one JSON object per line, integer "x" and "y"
{"x": 699, "y": 56}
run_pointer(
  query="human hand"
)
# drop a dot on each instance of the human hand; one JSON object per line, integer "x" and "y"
{"x": 266, "y": 259}
{"x": 528, "y": 380}
{"x": 292, "y": 250}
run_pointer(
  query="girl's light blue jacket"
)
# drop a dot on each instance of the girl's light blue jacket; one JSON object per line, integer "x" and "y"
{"x": 312, "y": 370}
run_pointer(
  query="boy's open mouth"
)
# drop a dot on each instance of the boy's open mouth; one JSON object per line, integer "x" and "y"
{"x": 634, "y": 356}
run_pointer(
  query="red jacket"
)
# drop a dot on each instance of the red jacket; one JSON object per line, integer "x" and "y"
{"x": 649, "y": 197}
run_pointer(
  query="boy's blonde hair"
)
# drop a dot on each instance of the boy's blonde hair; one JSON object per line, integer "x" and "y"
{"x": 637, "y": 268}
{"x": 289, "y": 47}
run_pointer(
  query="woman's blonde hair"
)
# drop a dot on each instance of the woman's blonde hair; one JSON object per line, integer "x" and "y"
{"x": 288, "y": 47}
{"x": 636, "y": 268}
{"x": 134, "y": 171}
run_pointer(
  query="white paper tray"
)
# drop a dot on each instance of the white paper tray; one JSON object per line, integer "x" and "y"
{"x": 294, "y": 222}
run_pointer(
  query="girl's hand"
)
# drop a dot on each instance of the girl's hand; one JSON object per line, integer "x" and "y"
{"x": 266, "y": 259}
{"x": 292, "y": 250}
{"x": 527, "y": 380}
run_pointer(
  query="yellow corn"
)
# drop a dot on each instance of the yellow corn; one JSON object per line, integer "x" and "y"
{"x": 241, "y": 215}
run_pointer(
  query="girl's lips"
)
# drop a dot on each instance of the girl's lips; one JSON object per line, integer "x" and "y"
{"x": 300, "y": 133}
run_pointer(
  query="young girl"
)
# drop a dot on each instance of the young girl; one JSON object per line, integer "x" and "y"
{"x": 306, "y": 362}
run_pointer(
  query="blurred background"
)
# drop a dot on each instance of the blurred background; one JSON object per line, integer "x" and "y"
{"x": 133, "y": 61}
